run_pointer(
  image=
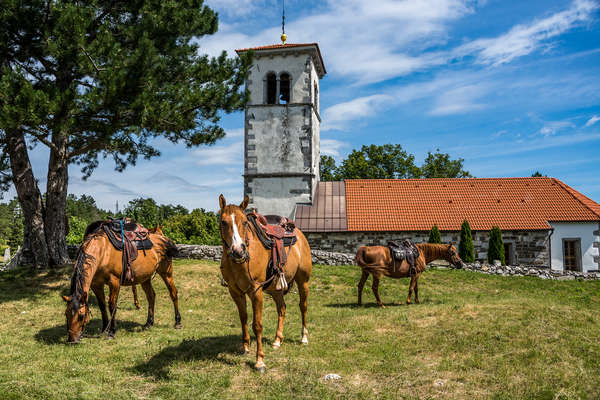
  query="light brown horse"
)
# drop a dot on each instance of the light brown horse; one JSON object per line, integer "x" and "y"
{"x": 244, "y": 268}
{"x": 158, "y": 230}
{"x": 99, "y": 264}
{"x": 377, "y": 261}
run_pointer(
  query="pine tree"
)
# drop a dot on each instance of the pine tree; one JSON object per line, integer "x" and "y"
{"x": 434, "y": 235}
{"x": 465, "y": 247}
{"x": 496, "y": 246}
{"x": 103, "y": 79}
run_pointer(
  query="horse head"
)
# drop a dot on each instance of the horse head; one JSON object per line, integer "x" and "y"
{"x": 78, "y": 315}
{"x": 234, "y": 228}
{"x": 78, "y": 310}
{"x": 453, "y": 256}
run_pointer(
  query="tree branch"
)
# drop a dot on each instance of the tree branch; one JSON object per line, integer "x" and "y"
{"x": 91, "y": 60}
{"x": 42, "y": 138}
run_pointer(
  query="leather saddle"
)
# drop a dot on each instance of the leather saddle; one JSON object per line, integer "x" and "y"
{"x": 275, "y": 233}
{"x": 129, "y": 237}
{"x": 405, "y": 250}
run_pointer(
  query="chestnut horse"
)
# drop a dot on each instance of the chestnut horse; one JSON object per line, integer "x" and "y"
{"x": 158, "y": 230}
{"x": 244, "y": 268}
{"x": 377, "y": 261}
{"x": 99, "y": 263}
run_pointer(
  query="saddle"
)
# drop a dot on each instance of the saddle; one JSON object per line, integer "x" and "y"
{"x": 275, "y": 233}
{"x": 406, "y": 250}
{"x": 129, "y": 237}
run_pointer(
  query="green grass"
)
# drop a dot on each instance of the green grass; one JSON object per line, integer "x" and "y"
{"x": 473, "y": 336}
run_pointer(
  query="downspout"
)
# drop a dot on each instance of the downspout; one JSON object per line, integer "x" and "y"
{"x": 550, "y": 248}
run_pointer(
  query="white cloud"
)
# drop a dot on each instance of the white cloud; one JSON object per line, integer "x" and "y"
{"x": 458, "y": 100}
{"x": 234, "y": 133}
{"x": 220, "y": 155}
{"x": 331, "y": 147}
{"x": 592, "y": 120}
{"x": 237, "y": 8}
{"x": 337, "y": 116}
{"x": 524, "y": 39}
{"x": 550, "y": 128}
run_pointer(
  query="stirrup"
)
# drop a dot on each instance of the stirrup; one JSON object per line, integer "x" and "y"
{"x": 281, "y": 283}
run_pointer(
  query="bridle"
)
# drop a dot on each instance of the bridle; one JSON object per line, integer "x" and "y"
{"x": 246, "y": 256}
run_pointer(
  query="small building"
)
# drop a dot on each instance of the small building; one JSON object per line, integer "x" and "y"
{"x": 543, "y": 221}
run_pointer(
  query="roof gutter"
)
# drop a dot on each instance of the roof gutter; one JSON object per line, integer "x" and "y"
{"x": 550, "y": 247}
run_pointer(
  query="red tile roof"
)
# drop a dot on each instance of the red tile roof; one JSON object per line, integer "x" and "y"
{"x": 280, "y": 46}
{"x": 328, "y": 211}
{"x": 418, "y": 204}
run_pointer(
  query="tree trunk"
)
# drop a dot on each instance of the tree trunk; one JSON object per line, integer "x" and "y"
{"x": 30, "y": 198}
{"x": 56, "y": 201}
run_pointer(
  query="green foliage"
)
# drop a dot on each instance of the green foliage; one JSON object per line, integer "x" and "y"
{"x": 390, "y": 161}
{"x": 434, "y": 235}
{"x": 144, "y": 211}
{"x": 465, "y": 247}
{"x": 496, "y": 246}
{"x": 11, "y": 225}
{"x": 439, "y": 165}
{"x": 327, "y": 169}
{"x": 77, "y": 227}
{"x": 378, "y": 162}
{"x": 198, "y": 227}
{"x": 84, "y": 208}
{"x": 537, "y": 174}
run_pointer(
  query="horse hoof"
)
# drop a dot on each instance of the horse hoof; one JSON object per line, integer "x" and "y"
{"x": 276, "y": 345}
{"x": 110, "y": 337}
{"x": 147, "y": 326}
{"x": 178, "y": 326}
{"x": 381, "y": 306}
{"x": 304, "y": 340}
{"x": 262, "y": 369}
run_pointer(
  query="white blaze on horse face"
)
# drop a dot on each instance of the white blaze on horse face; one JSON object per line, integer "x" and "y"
{"x": 236, "y": 240}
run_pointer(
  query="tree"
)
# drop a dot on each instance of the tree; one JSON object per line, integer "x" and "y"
{"x": 465, "y": 247}
{"x": 434, "y": 235}
{"x": 537, "y": 174}
{"x": 378, "y": 162}
{"x": 98, "y": 79}
{"x": 439, "y": 165}
{"x": 198, "y": 227}
{"x": 496, "y": 246}
{"x": 77, "y": 227}
{"x": 144, "y": 211}
{"x": 327, "y": 169}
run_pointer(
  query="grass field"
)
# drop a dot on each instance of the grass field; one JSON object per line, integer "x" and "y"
{"x": 473, "y": 336}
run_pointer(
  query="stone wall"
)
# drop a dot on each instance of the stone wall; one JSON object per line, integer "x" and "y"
{"x": 529, "y": 247}
{"x": 540, "y": 272}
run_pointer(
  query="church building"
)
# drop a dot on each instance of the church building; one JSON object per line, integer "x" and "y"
{"x": 544, "y": 221}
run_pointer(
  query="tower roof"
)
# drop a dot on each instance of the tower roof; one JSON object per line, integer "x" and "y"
{"x": 311, "y": 48}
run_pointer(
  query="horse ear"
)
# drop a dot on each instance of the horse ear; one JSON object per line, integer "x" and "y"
{"x": 245, "y": 203}
{"x": 450, "y": 245}
{"x": 222, "y": 202}
{"x": 66, "y": 298}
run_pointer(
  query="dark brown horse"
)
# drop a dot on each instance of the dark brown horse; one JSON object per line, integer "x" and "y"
{"x": 377, "y": 261}
{"x": 244, "y": 268}
{"x": 99, "y": 264}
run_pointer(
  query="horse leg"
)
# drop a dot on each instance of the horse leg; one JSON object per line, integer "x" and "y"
{"x": 417, "y": 288}
{"x": 151, "y": 296}
{"x": 240, "y": 301}
{"x": 168, "y": 279}
{"x": 280, "y": 302}
{"x": 114, "y": 286}
{"x": 135, "y": 298}
{"x": 303, "y": 292}
{"x": 375, "y": 288}
{"x": 361, "y": 285}
{"x": 99, "y": 292}
{"x": 257, "y": 308}
{"x": 411, "y": 287}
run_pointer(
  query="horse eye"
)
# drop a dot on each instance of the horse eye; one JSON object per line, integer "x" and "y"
{"x": 223, "y": 223}
{"x": 80, "y": 317}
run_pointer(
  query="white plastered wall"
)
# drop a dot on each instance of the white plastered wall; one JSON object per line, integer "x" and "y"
{"x": 575, "y": 230}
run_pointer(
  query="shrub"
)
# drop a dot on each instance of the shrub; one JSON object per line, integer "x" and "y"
{"x": 496, "y": 246}
{"x": 77, "y": 227}
{"x": 465, "y": 247}
{"x": 434, "y": 235}
{"x": 197, "y": 227}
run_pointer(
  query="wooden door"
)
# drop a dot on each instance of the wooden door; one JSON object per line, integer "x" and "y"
{"x": 571, "y": 261}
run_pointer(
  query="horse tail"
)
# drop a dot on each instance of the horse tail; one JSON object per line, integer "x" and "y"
{"x": 359, "y": 259}
{"x": 171, "y": 248}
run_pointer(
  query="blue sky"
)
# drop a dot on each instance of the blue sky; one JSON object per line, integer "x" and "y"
{"x": 510, "y": 86}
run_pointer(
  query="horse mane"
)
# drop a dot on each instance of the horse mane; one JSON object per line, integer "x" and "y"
{"x": 78, "y": 278}
{"x": 433, "y": 249}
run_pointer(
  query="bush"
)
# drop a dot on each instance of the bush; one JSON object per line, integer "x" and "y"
{"x": 77, "y": 227}
{"x": 465, "y": 247}
{"x": 198, "y": 227}
{"x": 496, "y": 246}
{"x": 434, "y": 235}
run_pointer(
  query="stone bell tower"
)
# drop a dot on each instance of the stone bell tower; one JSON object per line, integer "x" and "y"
{"x": 282, "y": 127}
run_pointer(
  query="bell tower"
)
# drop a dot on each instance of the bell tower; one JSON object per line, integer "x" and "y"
{"x": 282, "y": 127}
